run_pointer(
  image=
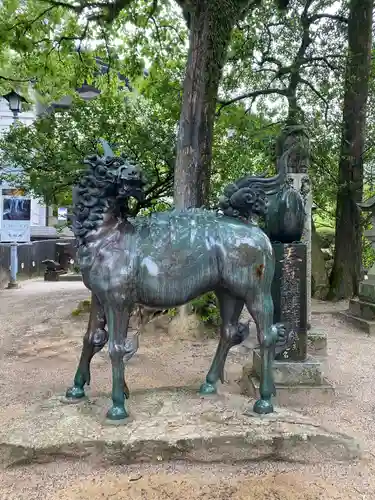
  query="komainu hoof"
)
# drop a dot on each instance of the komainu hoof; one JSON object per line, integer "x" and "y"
{"x": 117, "y": 413}
{"x": 263, "y": 406}
{"x": 207, "y": 388}
{"x": 75, "y": 393}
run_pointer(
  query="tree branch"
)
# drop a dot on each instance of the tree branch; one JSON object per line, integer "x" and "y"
{"x": 108, "y": 11}
{"x": 324, "y": 59}
{"x": 317, "y": 93}
{"x": 265, "y": 56}
{"x": 32, "y": 21}
{"x": 56, "y": 3}
{"x": 250, "y": 95}
{"x": 15, "y": 80}
{"x": 324, "y": 170}
{"x": 335, "y": 17}
{"x": 108, "y": 50}
{"x": 271, "y": 60}
{"x": 166, "y": 27}
{"x": 158, "y": 189}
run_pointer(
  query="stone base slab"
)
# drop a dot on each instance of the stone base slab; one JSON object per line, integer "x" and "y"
{"x": 168, "y": 425}
{"x": 292, "y": 373}
{"x": 360, "y": 323}
{"x": 289, "y": 396}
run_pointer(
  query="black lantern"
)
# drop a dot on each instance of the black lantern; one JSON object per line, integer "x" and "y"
{"x": 15, "y": 102}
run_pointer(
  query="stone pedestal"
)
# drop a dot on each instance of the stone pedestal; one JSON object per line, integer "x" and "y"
{"x": 298, "y": 383}
{"x": 298, "y": 375}
{"x": 292, "y": 373}
{"x": 361, "y": 312}
{"x": 51, "y": 275}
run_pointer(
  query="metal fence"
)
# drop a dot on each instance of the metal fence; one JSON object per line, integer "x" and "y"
{"x": 31, "y": 255}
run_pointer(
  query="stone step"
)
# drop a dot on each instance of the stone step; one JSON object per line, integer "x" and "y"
{"x": 293, "y": 373}
{"x": 290, "y": 396}
{"x": 362, "y": 309}
{"x": 360, "y": 323}
{"x": 316, "y": 342}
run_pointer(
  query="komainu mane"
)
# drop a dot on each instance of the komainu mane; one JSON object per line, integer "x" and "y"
{"x": 166, "y": 260}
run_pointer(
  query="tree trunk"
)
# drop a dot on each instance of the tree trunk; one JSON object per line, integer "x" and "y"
{"x": 211, "y": 23}
{"x": 346, "y": 269}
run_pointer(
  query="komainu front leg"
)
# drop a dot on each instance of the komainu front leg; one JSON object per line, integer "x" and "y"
{"x": 94, "y": 340}
{"x": 120, "y": 351}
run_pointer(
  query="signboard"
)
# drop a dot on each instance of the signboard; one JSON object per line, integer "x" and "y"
{"x": 16, "y": 215}
{"x": 62, "y": 214}
{"x": 13, "y": 192}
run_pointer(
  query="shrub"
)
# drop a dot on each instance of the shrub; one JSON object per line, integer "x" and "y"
{"x": 207, "y": 309}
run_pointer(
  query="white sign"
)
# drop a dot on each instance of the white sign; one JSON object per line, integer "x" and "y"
{"x": 62, "y": 214}
{"x": 15, "y": 231}
{"x": 16, "y": 215}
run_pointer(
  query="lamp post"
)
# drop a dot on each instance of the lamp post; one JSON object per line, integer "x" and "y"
{"x": 15, "y": 105}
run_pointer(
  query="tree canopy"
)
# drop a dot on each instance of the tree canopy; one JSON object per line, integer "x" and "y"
{"x": 216, "y": 92}
{"x": 50, "y": 151}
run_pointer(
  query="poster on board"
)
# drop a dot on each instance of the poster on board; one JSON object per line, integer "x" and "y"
{"x": 62, "y": 214}
{"x": 16, "y": 216}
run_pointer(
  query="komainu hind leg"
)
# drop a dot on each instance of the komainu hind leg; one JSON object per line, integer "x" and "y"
{"x": 261, "y": 310}
{"x": 94, "y": 340}
{"x": 231, "y": 334}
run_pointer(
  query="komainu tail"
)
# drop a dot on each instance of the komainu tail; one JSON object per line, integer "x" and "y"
{"x": 249, "y": 196}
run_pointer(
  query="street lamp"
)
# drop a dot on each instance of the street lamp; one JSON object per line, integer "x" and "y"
{"x": 15, "y": 105}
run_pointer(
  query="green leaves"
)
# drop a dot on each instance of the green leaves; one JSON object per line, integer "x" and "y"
{"x": 57, "y": 47}
{"x": 51, "y": 150}
{"x": 242, "y": 145}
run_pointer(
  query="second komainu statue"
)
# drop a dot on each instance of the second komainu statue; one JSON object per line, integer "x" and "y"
{"x": 167, "y": 259}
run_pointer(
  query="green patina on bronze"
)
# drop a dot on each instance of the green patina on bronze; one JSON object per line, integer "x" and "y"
{"x": 166, "y": 260}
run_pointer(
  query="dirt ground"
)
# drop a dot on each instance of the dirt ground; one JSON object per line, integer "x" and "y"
{"x": 40, "y": 344}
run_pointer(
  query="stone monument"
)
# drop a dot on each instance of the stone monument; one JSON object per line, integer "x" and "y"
{"x": 361, "y": 312}
{"x": 296, "y": 139}
{"x": 295, "y": 370}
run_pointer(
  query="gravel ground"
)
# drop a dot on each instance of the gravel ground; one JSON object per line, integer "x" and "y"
{"x": 40, "y": 345}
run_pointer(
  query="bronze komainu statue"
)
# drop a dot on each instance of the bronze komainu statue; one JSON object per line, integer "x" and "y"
{"x": 167, "y": 259}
